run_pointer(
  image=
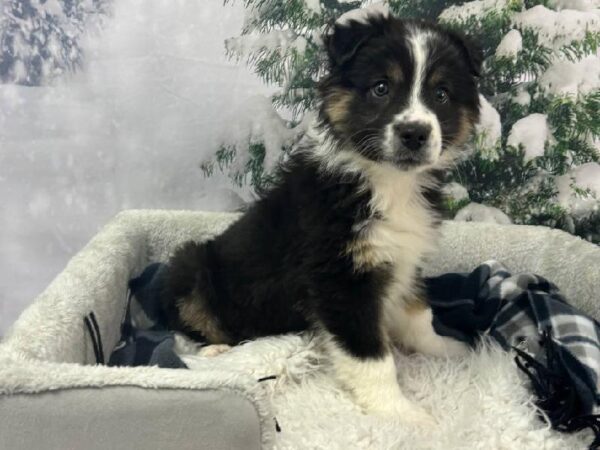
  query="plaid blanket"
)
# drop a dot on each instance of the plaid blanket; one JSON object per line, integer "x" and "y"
{"x": 145, "y": 339}
{"x": 555, "y": 345}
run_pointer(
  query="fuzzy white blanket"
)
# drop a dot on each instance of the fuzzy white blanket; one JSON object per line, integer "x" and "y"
{"x": 479, "y": 402}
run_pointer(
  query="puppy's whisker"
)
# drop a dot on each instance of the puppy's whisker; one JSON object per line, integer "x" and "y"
{"x": 349, "y": 138}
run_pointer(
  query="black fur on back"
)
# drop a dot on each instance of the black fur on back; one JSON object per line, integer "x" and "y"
{"x": 283, "y": 266}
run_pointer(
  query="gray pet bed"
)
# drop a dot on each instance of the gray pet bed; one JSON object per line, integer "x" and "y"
{"x": 52, "y": 396}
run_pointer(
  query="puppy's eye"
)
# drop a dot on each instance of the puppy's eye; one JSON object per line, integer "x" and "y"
{"x": 380, "y": 89}
{"x": 441, "y": 95}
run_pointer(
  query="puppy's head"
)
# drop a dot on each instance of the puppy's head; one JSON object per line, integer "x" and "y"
{"x": 399, "y": 92}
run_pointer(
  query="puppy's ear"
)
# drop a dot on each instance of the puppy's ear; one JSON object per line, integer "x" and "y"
{"x": 471, "y": 52}
{"x": 343, "y": 41}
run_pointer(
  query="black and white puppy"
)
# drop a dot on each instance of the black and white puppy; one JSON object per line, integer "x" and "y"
{"x": 337, "y": 243}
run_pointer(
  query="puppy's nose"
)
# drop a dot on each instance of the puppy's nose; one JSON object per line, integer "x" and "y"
{"x": 412, "y": 135}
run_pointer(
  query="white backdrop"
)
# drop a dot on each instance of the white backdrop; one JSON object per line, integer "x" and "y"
{"x": 127, "y": 131}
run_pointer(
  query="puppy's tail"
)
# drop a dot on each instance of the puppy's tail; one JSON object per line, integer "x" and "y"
{"x": 188, "y": 270}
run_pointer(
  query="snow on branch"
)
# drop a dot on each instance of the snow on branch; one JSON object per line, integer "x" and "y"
{"x": 579, "y": 190}
{"x": 558, "y": 28}
{"x": 249, "y": 46}
{"x": 531, "y": 133}
{"x": 257, "y": 123}
{"x": 476, "y": 8}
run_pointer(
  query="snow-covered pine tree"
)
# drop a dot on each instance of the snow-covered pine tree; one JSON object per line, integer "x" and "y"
{"x": 534, "y": 158}
{"x": 39, "y": 39}
{"x": 281, "y": 41}
{"x": 537, "y": 149}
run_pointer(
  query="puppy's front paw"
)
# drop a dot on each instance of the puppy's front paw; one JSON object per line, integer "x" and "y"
{"x": 415, "y": 416}
{"x": 210, "y": 351}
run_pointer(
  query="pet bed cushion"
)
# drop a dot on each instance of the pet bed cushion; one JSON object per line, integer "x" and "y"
{"x": 558, "y": 346}
{"x": 49, "y": 352}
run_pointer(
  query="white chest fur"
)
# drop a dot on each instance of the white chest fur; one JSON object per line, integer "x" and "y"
{"x": 402, "y": 235}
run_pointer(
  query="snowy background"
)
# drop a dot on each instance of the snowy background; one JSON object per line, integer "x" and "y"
{"x": 109, "y": 105}
{"x": 147, "y": 103}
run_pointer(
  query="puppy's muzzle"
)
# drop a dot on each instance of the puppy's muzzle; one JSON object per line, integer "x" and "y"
{"x": 412, "y": 144}
{"x": 412, "y": 137}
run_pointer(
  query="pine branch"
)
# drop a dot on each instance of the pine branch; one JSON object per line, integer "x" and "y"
{"x": 577, "y": 50}
{"x": 266, "y": 15}
{"x": 420, "y": 9}
{"x": 575, "y": 117}
{"x": 487, "y": 30}
{"x": 503, "y": 73}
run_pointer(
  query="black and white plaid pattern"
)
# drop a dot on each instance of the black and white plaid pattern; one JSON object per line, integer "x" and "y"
{"x": 145, "y": 339}
{"x": 525, "y": 312}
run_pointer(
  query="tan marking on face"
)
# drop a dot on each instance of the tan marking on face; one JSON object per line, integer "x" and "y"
{"x": 436, "y": 77}
{"x": 465, "y": 127}
{"x": 395, "y": 73}
{"x": 194, "y": 313}
{"x": 337, "y": 105}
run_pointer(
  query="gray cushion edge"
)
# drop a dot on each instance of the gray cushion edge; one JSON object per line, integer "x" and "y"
{"x": 132, "y": 405}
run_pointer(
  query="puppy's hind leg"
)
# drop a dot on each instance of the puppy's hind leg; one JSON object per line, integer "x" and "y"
{"x": 414, "y": 330}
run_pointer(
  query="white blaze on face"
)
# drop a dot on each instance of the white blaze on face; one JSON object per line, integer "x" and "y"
{"x": 416, "y": 110}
